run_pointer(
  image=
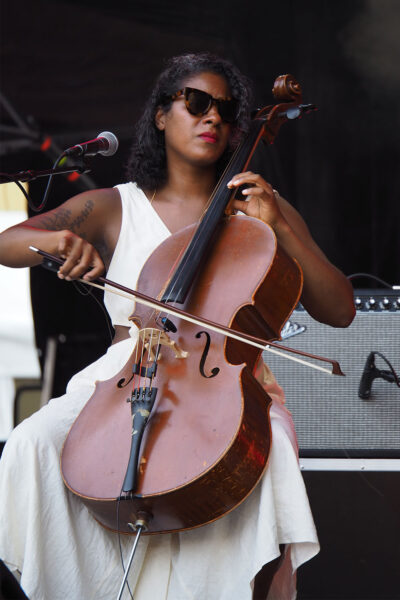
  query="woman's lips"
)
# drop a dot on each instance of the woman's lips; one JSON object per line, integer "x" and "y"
{"x": 211, "y": 138}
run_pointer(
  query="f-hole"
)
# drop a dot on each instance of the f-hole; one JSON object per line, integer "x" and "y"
{"x": 215, "y": 370}
{"x": 124, "y": 382}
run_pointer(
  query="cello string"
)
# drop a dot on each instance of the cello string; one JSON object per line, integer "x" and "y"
{"x": 150, "y": 350}
{"x": 139, "y": 362}
{"x": 150, "y": 361}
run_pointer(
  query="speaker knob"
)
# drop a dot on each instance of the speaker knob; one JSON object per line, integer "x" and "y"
{"x": 386, "y": 303}
{"x": 358, "y": 303}
{"x": 372, "y": 303}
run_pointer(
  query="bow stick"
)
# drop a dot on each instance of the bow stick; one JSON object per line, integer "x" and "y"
{"x": 217, "y": 327}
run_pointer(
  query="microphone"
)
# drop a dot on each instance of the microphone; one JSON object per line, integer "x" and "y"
{"x": 370, "y": 373}
{"x": 106, "y": 144}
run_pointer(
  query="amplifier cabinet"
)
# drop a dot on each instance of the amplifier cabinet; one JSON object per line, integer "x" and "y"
{"x": 331, "y": 419}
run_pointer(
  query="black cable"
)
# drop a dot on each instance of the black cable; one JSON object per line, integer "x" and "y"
{"x": 48, "y": 187}
{"x": 21, "y": 187}
{"x": 31, "y": 204}
{"x": 393, "y": 372}
{"x": 85, "y": 290}
{"x": 354, "y": 275}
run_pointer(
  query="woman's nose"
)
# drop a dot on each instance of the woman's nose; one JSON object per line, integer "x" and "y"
{"x": 213, "y": 114}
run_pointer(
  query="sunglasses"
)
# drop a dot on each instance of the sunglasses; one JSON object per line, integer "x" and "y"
{"x": 198, "y": 103}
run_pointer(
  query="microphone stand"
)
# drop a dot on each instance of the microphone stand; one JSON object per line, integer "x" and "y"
{"x": 26, "y": 176}
{"x": 31, "y": 174}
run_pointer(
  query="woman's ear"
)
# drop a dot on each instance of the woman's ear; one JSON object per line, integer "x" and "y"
{"x": 160, "y": 119}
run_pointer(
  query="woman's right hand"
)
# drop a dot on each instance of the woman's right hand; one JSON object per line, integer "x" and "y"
{"x": 82, "y": 260}
{"x": 83, "y": 231}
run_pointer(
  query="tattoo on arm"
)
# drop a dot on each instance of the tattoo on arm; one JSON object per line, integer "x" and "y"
{"x": 61, "y": 219}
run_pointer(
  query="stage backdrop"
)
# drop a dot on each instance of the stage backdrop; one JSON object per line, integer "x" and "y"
{"x": 81, "y": 67}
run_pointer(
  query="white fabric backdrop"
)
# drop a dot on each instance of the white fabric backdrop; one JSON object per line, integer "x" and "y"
{"x": 18, "y": 356}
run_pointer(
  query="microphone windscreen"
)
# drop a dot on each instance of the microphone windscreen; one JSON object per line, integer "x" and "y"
{"x": 112, "y": 143}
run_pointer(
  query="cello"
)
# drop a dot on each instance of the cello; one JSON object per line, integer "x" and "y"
{"x": 181, "y": 434}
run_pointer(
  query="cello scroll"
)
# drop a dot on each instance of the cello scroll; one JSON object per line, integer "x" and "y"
{"x": 287, "y": 91}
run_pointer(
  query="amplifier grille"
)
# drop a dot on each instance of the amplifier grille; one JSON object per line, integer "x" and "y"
{"x": 330, "y": 418}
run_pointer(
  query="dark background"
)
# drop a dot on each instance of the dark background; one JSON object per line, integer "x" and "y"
{"x": 79, "y": 68}
{"x": 73, "y": 69}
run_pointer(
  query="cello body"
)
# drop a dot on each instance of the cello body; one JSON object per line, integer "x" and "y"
{"x": 206, "y": 443}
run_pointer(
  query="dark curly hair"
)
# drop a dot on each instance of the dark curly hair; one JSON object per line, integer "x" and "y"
{"x": 147, "y": 161}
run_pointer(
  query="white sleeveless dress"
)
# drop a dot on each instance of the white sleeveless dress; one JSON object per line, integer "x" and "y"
{"x": 48, "y": 535}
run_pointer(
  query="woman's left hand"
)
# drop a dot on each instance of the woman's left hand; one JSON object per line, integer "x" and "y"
{"x": 261, "y": 199}
{"x": 327, "y": 294}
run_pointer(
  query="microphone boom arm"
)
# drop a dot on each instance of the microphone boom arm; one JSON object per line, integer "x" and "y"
{"x": 31, "y": 174}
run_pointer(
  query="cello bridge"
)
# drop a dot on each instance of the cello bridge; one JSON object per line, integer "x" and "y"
{"x": 153, "y": 339}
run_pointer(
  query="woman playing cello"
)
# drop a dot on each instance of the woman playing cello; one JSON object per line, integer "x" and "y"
{"x": 198, "y": 107}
